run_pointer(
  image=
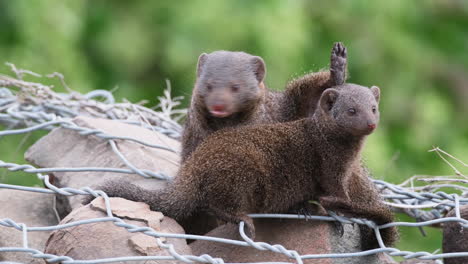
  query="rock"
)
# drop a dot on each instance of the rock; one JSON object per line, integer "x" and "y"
{"x": 306, "y": 237}
{"x": 455, "y": 237}
{"x": 106, "y": 240}
{"x": 66, "y": 148}
{"x": 32, "y": 209}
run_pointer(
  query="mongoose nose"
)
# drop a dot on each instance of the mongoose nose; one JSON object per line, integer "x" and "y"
{"x": 371, "y": 126}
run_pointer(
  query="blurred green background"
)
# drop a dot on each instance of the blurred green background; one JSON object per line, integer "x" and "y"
{"x": 415, "y": 51}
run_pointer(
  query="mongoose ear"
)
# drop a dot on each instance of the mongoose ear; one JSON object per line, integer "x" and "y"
{"x": 201, "y": 61}
{"x": 259, "y": 68}
{"x": 328, "y": 99}
{"x": 376, "y": 92}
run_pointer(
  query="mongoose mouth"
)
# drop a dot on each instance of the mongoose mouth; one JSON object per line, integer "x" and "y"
{"x": 220, "y": 114}
{"x": 360, "y": 131}
{"x": 369, "y": 129}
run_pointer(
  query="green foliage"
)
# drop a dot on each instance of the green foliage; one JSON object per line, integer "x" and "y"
{"x": 414, "y": 50}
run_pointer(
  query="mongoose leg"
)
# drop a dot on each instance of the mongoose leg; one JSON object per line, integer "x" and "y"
{"x": 377, "y": 212}
{"x": 250, "y": 228}
{"x": 236, "y": 219}
{"x": 338, "y": 64}
{"x": 368, "y": 204}
{"x": 304, "y": 92}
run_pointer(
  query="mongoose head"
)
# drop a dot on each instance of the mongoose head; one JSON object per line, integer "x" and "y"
{"x": 229, "y": 82}
{"x": 352, "y": 107}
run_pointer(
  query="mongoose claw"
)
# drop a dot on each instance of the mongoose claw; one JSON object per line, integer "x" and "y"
{"x": 339, "y": 227}
{"x": 305, "y": 209}
{"x": 338, "y": 63}
{"x": 304, "y": 212}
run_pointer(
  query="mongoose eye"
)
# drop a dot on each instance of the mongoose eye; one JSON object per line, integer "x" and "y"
{"x": 374, "y": 109}
{"x": 235, "y": 88}
{"x": 208, "y": 87}
{"x": 351, "y": 111}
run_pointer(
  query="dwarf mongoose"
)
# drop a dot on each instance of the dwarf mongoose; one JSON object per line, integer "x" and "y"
{"x": 269, "y": 168}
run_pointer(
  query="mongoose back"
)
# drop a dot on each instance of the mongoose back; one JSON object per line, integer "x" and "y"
{"x": 455, "y": 237}
{"x": 230, "y": 92}
{"x": 269, "y": 168}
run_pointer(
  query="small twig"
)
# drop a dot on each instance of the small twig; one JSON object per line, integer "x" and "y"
{"x": 20, "y": 72}
{"x": 451, "y": 156}
{"x": 142, "y": 117}
{"x": 62, "y": 80}
{"x": 438, "y": 151}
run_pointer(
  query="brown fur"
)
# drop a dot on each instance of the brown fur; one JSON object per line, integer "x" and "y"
{"x": 250, "y": 102}
{"x": 455, "y": 237}
{"x": 269, "y": 168}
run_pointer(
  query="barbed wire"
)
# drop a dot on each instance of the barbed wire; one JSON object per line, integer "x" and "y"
{"x": 25, "y": 104}
{"x": 34, "y": 107}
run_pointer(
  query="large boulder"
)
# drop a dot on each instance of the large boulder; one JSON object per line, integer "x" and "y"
{"x": 305, "y": 237}
{"x": 106, "y": 240}
{"x": 32, "y": 209}
{"x": 455, "y": 237}
{"x": 64, "y": 147}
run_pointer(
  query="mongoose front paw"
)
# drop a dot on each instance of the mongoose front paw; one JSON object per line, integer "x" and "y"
{"x": 249, "y": 226}
{"x": 338, "y": 63}
{"x": 307, "y": 209}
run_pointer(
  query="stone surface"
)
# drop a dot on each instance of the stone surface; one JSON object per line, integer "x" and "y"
{"x": 32, "y": 209}
{"x": 66, "y": 148}
{"x": 106, "y": 240}
{"x": 306, "y": 237}
{"x": 455, "y": 237}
